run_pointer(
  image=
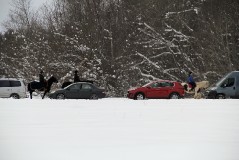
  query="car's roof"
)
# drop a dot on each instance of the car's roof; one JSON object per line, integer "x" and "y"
{"x": 164, "y": 80}
{"x": 82, "y": 82}
{"x": 12, "y": 79}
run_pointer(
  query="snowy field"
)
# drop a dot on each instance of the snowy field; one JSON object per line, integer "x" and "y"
{"x": 119, "y": 129}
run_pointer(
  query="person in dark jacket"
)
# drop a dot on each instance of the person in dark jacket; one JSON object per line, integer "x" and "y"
{"x": 191, "y": 81}
{"x": 42, "y": 79}
{"x": 76, "y": 77}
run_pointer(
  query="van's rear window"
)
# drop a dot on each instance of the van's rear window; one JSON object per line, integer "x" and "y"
{"x": 4, "y": 83}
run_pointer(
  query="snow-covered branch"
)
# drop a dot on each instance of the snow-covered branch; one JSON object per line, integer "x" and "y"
{"x": 195, "y": 9}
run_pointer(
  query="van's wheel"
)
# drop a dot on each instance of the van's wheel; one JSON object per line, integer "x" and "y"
{"x": 60, "y": 96}
{"x": 139, "y": 96}
{"x": 220, "y": 96}
{"x": 15, "y": 96}
{"x": 174, "y": 96}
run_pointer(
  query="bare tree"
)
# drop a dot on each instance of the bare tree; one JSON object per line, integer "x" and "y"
{"x": 21, "y": 15}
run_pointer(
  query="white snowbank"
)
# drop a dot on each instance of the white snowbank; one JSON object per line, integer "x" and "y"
{"x": 119, "y": 129}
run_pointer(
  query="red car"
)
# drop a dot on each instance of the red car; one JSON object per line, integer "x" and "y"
{"x": 158, "y": 89}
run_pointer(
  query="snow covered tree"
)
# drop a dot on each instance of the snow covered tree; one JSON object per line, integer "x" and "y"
{"x": 121, "y": 43}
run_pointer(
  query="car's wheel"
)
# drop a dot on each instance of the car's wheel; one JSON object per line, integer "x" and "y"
{"x": 60, "y": 96}
{"x": 15, "y": 96}
{"x": 174, "y": 96}
{"x": 139, "y": 96}
{"x": 220, "y": 96}
{"x": 94, "y": 96}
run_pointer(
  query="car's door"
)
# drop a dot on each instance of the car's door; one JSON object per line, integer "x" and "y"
{"x": 73, "y": 91}
{"x": 86, "y": 91}
{"x": 16, "y": 87}
{"x": 152, "y": 90}
{"x": 165, "y": 89}
{"x": 5, "y": 88}
{"x": 157, "y": 90}
{"x": 237, "y": 87}
{"x": 228, "y": 87}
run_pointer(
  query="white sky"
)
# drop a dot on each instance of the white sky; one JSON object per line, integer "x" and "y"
{"x": 5, "y": 6}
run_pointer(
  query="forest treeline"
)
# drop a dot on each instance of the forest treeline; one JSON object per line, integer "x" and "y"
{"x": 121, "y": 43}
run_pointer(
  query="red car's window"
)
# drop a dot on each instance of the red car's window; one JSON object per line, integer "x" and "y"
{"x": 155, "y": 85}
{"x": 161, "y": 84}
{"x": 166, "y": 84}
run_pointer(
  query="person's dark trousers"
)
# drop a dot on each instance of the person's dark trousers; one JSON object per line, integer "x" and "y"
{"x": 193, "y": 85}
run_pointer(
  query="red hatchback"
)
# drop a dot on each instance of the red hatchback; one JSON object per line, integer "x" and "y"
{"x": 158, "y": 89}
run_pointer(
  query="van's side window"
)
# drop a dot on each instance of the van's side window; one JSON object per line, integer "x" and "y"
{"x": 228, "y": 82}
{"x": 4, "y": 83}
{"x": 15, "y": 83}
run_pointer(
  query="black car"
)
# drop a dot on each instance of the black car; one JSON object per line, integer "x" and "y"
{"x": 79, "y": 90}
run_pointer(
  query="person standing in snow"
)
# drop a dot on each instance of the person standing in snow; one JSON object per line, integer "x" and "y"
{"x": 191, "y": 81}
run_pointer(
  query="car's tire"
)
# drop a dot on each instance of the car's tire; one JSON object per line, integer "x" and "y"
{"x": 15, "y": 96}
{"x": 174, "y": 96}
{"x": 94, "y": 96}
{"x": 139, "y": 96}
{"x": 60, "y": 96}
{"x": 220, "y": 96}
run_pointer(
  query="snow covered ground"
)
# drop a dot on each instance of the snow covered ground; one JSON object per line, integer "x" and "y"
{"x": 119, "y": 129}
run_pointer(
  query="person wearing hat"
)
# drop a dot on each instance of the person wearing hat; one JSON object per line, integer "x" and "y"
{"x": 76, "y": 77}
{"x": 191, "y": 81}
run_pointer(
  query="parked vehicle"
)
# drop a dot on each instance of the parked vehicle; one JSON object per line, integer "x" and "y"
{"x": 158, "y": 89}
{"x": 12, "y": 87}
{"x": 226, "y": 87}
{"x": 79, "y": 90}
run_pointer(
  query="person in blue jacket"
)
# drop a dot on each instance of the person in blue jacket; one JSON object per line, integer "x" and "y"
{"x": 191, "y": 81}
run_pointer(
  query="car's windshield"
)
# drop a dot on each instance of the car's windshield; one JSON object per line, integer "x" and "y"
{"x": 147, "y": 84}
{"x": 221, "y": 80}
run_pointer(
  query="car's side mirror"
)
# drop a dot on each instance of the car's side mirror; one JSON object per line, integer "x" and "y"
{"x": 148, "y": 87}
{"x": 224, "y": 85}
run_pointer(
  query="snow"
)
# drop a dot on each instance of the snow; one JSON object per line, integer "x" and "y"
{"x": 119, "y": 129}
